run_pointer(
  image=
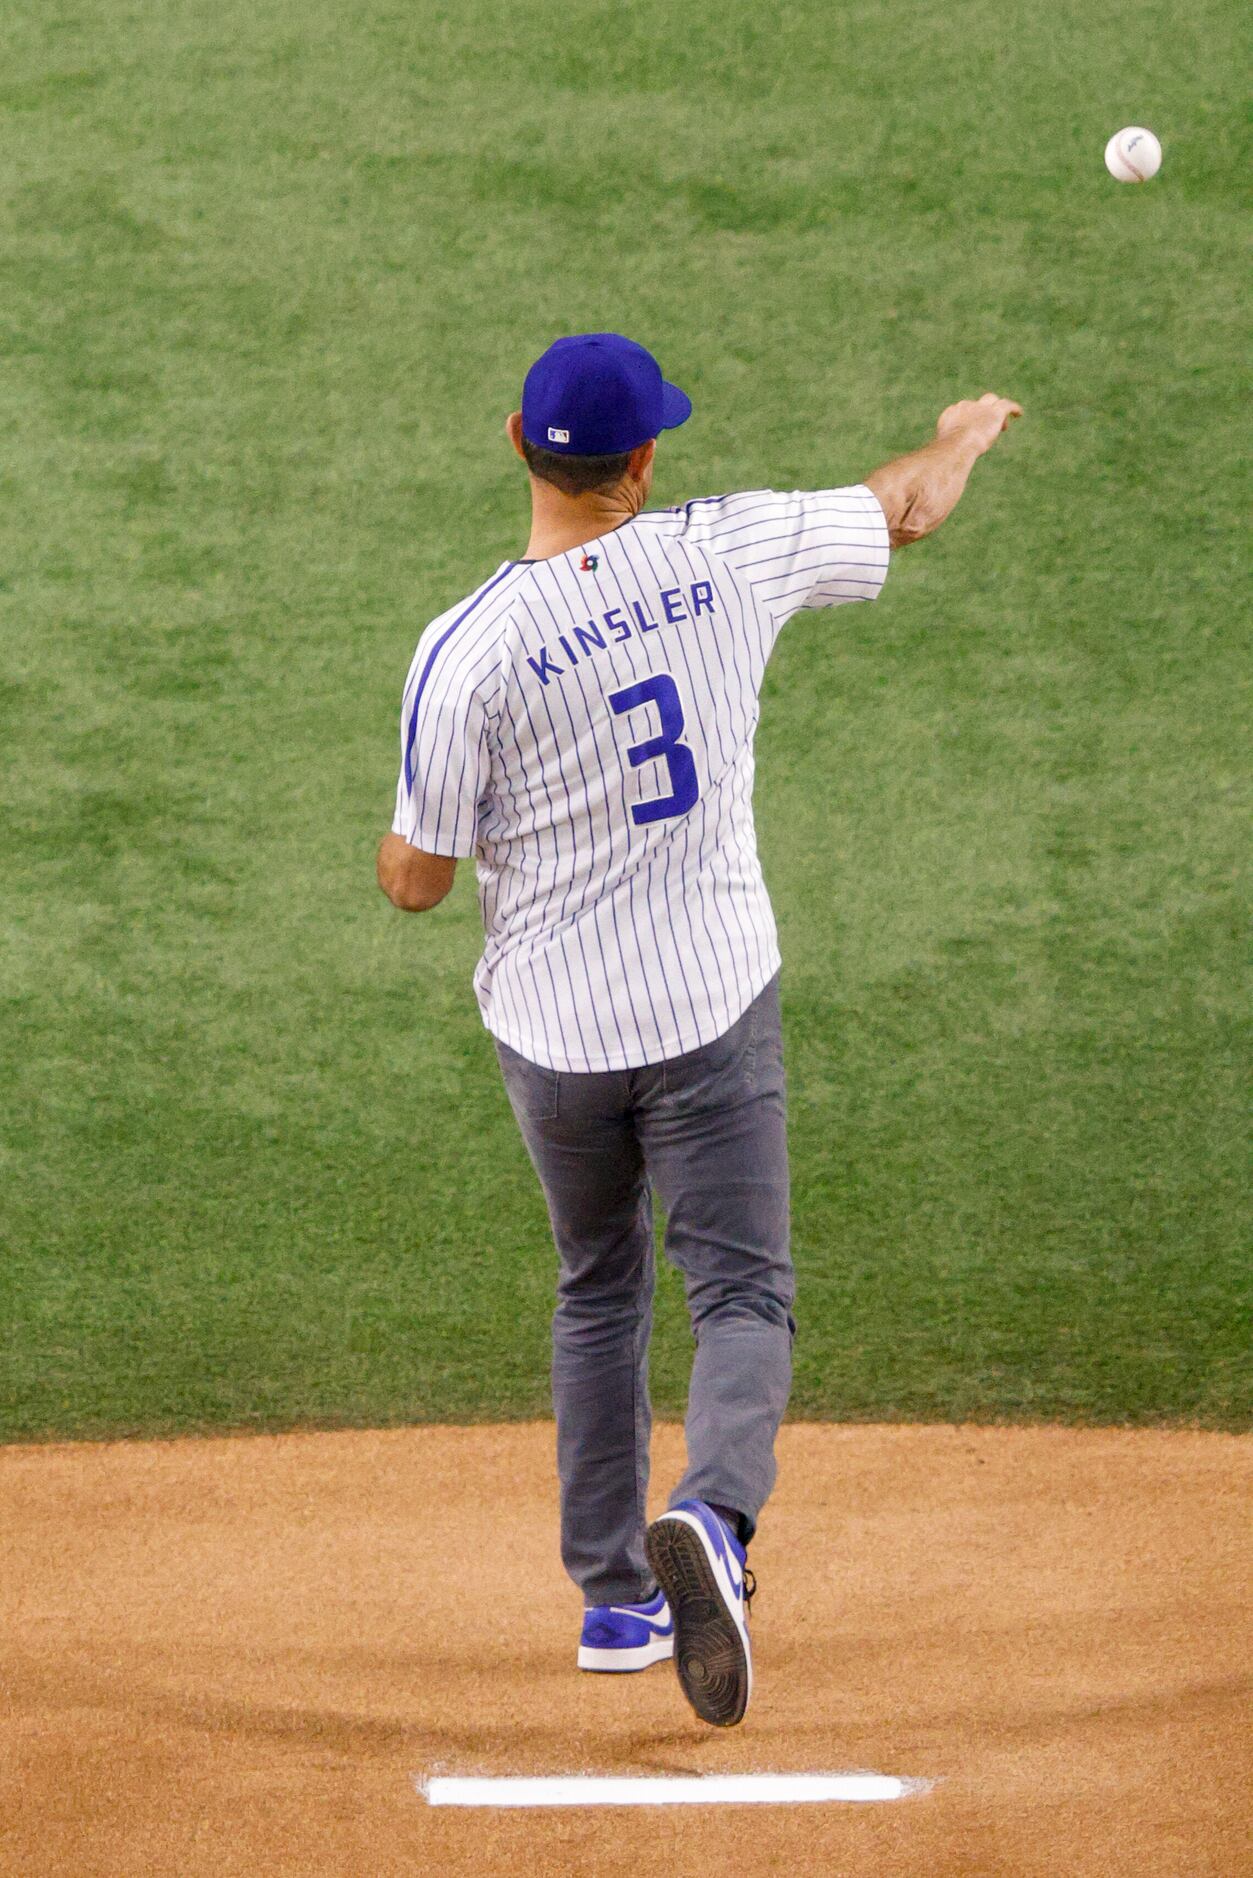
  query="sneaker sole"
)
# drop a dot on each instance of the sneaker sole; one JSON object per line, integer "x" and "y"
{"x": 709, "y": 1652}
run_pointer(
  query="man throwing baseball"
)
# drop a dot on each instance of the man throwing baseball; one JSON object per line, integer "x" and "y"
{"x": 582, "y": 724}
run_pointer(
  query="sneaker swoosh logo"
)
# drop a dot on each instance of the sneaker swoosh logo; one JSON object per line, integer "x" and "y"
{"x": 731, "y": 1565}
{"x": 660, "y": 1622}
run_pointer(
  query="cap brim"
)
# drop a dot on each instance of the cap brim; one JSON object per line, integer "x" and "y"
{"x": 676, "y": 406}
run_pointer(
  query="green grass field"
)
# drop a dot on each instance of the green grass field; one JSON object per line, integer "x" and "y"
{"x": 271, "y": 274}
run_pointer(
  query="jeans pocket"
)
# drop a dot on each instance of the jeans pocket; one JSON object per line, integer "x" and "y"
{"x": 532, "y": 1088}
{"x": 750, "y": 1050}
{"x": 715, "y": 1072}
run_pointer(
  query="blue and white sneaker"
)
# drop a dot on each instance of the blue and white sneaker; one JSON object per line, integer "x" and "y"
{"x": 699, "y": 1565}
{"x": 623, "y": 1637}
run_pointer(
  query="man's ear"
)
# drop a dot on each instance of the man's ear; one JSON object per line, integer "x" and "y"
{"x": 513, "y": 430}
{"x": 640, "y": 459}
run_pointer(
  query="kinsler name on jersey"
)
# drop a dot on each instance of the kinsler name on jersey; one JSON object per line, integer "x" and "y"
{"x": 591, "y": 638}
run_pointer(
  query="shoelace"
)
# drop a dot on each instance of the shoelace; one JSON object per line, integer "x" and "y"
{"x": 750, "y": 1589}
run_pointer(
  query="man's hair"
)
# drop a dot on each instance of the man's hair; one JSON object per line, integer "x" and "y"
{"x": 575, "y": 475}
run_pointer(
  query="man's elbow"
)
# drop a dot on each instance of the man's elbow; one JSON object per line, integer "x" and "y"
{"x": 408, "y": 898}
{"x": 409, "y": 895}
{"x": 911, "y": 527}
{"x": 904, "y": 510}
{"x": 406, "y": 881}
{"x": 909, "y": 523}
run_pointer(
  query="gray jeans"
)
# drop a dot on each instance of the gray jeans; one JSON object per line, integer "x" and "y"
{"x": 708, "y": 1131}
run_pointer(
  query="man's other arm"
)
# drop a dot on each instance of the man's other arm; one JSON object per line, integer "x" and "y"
{"x": 917, "y": 491}
{"x": 412, "y": 880}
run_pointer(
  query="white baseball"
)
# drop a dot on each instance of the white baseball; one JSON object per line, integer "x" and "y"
{"x": 1133, "y": 155}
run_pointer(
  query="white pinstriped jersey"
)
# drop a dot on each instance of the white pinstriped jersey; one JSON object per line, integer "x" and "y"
{"x": 584, "y": 727}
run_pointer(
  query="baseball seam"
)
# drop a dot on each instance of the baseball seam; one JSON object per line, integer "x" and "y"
{"x": 1138, "y": 174}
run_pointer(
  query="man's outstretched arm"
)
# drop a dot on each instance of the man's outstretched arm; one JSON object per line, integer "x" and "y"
{"x": 917, "y": 491}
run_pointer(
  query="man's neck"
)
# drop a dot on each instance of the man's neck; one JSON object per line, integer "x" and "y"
{"x": 560, "y": 522}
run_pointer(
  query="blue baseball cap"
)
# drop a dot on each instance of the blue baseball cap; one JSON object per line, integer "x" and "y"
{"x": 598, "y": 394}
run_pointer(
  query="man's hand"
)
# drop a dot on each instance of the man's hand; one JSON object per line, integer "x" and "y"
{"x": 981, "y": 419}
{"x": 917, "y": 491}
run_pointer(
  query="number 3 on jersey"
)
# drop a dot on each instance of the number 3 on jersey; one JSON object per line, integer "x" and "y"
{"x": 661, "y": 690}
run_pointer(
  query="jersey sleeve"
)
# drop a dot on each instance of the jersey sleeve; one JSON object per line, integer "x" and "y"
{"x": 444, "y": 762}
{"x": 804, "y": 549}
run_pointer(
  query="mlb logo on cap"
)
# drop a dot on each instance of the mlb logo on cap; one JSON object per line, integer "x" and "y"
{"x": 598, "y": 394}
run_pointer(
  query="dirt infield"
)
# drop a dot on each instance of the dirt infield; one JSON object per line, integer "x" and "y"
{"x": 232, "y": 1656}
